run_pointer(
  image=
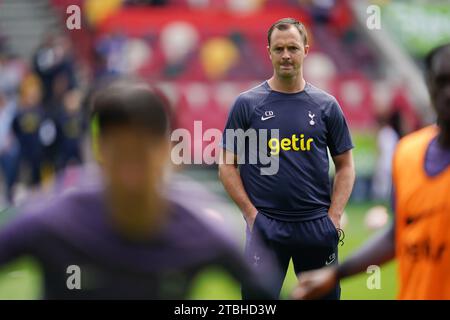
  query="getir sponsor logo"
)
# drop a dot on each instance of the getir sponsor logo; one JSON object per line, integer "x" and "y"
{"x": 293, "y": 143}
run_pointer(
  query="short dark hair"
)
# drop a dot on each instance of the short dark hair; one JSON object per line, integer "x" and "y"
{"x": 432, "y": 54}
{"x": 125, "y": 102}
{"x": 286, "y": 23}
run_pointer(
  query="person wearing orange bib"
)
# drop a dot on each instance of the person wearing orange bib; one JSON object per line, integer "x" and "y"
{"x": 418, "y": 237}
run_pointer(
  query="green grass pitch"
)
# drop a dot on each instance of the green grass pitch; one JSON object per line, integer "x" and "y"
{"x": 22, "y": 279}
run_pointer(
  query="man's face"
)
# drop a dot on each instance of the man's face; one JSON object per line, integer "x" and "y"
{"x": 287, "y": 52}
{"x": 133, "y": 163}
{"x": 439, "y": 84}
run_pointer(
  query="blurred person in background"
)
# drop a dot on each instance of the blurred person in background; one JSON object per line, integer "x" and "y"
{"x": 9, "y": 150}
{"x": 12, "y": 71}
{"x": 53, "y": 138}
{"x": 389, "y": 133}
{"x": 418, "y": 237}
{"x": 293, "y": 210}
{"x": 53, "y": 62}
{"x": 128, "y": 239}
{"x": 110, "y": 51}
{"x": 71, "y": 126}
{"x": 320, "y": 10}
{"x": 27, "y": 125}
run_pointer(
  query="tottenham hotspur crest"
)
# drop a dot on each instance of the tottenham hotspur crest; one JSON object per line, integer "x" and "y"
{"x": 311, "y": 115}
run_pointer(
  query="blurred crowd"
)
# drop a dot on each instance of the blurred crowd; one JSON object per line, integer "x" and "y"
{"x": 41, "y": 116}
{"x": 201, "y": 59}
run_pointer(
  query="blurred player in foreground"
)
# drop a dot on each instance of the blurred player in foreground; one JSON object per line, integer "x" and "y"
{"x": 126, "y": 239}
{"x": 419, "y": 236}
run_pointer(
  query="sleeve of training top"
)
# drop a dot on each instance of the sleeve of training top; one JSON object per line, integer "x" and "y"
{"x": 238, "y": 118}
{"x": 338, "y": 137}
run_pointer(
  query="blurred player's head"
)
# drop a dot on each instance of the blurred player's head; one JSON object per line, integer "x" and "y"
{"x": 438, "y": 78}
{"x": 72, "y": 101}
{"x": 287, "y": 47}
{"x": 133, "y": 146}
{"x": 30, "y": 91}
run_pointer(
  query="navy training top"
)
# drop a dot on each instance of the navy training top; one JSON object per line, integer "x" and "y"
{"x": 309, "y": 123}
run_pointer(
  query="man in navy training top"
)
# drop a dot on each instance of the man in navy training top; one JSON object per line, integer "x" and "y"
{"x": 293, "y": 211}
{"x": 124, "y": 237}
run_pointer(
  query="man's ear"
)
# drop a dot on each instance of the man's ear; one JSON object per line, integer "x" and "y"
{"x": 268, "y": 51}
{"x": 306, "y": 49}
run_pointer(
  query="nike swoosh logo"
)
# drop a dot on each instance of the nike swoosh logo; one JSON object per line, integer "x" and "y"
{"x": 425, "y": 214}
{"x": 411, "y": 219}
{"x": 265, "y": 118}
